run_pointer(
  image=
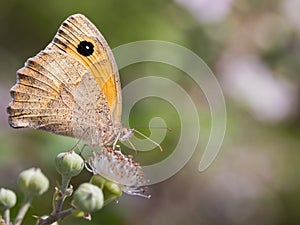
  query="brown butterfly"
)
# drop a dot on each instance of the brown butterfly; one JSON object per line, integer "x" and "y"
{"x": 72, "y": 87}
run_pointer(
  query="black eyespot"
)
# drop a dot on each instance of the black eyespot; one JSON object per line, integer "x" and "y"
{"x": 85, "y": 48}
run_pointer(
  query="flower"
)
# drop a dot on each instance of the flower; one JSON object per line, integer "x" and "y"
{"x": 120, "y": 169}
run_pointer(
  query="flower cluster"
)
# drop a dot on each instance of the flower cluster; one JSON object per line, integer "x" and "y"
{"x": 119, "y": 168}
{"x": 113, "y": 174}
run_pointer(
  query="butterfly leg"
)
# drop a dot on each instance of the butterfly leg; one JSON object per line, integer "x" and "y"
{"x": 115, "y": 143}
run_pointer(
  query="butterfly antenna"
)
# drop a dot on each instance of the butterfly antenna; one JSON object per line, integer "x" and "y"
{"x": 167, "y": 128}
{"x": 143, "y": 135}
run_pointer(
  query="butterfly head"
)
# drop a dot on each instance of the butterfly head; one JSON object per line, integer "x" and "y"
{"x": 125, "y": 133}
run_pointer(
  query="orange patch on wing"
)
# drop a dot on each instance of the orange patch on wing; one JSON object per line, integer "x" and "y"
{"x": 109, "y": 90}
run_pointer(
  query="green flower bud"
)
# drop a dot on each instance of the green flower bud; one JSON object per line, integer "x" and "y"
{"x": 88, "y": 198}
{"x": 113, "y": 188}
{"x": 8, "y": 199}
{"x": 98, "y": 181}
{"x": 110, "y": 188}
{"x": 33, "y": 182}
{"x": 69, "y": 164}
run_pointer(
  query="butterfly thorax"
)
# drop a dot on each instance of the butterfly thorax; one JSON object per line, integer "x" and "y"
{"x": 109, "y": 135}
{"x": 125, "y": 133}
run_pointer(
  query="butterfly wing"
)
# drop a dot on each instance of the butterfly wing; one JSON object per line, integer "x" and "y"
{"x": 70, "y": 88}
{"x": 55, "y": 92}
{"x": 80, "y": 38}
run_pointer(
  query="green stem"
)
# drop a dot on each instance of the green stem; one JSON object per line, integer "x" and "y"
{"x": 23, "y": 210}
{"x": 7, "y": 216}
{"x": 57, "y": 213}
{"x": 64, "y": 186}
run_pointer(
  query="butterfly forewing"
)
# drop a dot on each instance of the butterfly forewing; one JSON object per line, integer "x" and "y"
{"x": 71, "y": 88}
{"x": 74, "y": 31}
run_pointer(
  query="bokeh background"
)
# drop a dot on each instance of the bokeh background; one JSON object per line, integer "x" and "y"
{"x": 253, "y": 48}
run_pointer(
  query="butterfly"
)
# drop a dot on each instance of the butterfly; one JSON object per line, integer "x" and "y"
{"x": 71, "y": 88}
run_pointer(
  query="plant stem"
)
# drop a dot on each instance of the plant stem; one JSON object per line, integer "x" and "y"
{"x": 57, "y": 214}
{"x": 7, "y": 216}
{"x": 64, "y": 186}
{"x": 55, "y": 217}
{"x": 23, "y": 210}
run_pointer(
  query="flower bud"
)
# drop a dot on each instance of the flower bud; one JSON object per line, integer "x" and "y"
{"x": 8, "y": 199}
{"x": 98, "y": 181}
{"x": 69, "y": 164}
{"x": 33, "y": 182}
{"x": 110, "y": 188}
{"x": 113, "y": 188}
{"x": 88, "y": 198}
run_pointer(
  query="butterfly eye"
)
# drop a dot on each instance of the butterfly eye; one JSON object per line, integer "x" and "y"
{"x": 85, "y": 48}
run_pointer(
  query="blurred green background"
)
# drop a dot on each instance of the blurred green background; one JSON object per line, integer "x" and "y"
{"x": 253, "y": 48}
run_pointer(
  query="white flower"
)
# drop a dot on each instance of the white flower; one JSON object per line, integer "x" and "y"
{"x": 119, "y": 168}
